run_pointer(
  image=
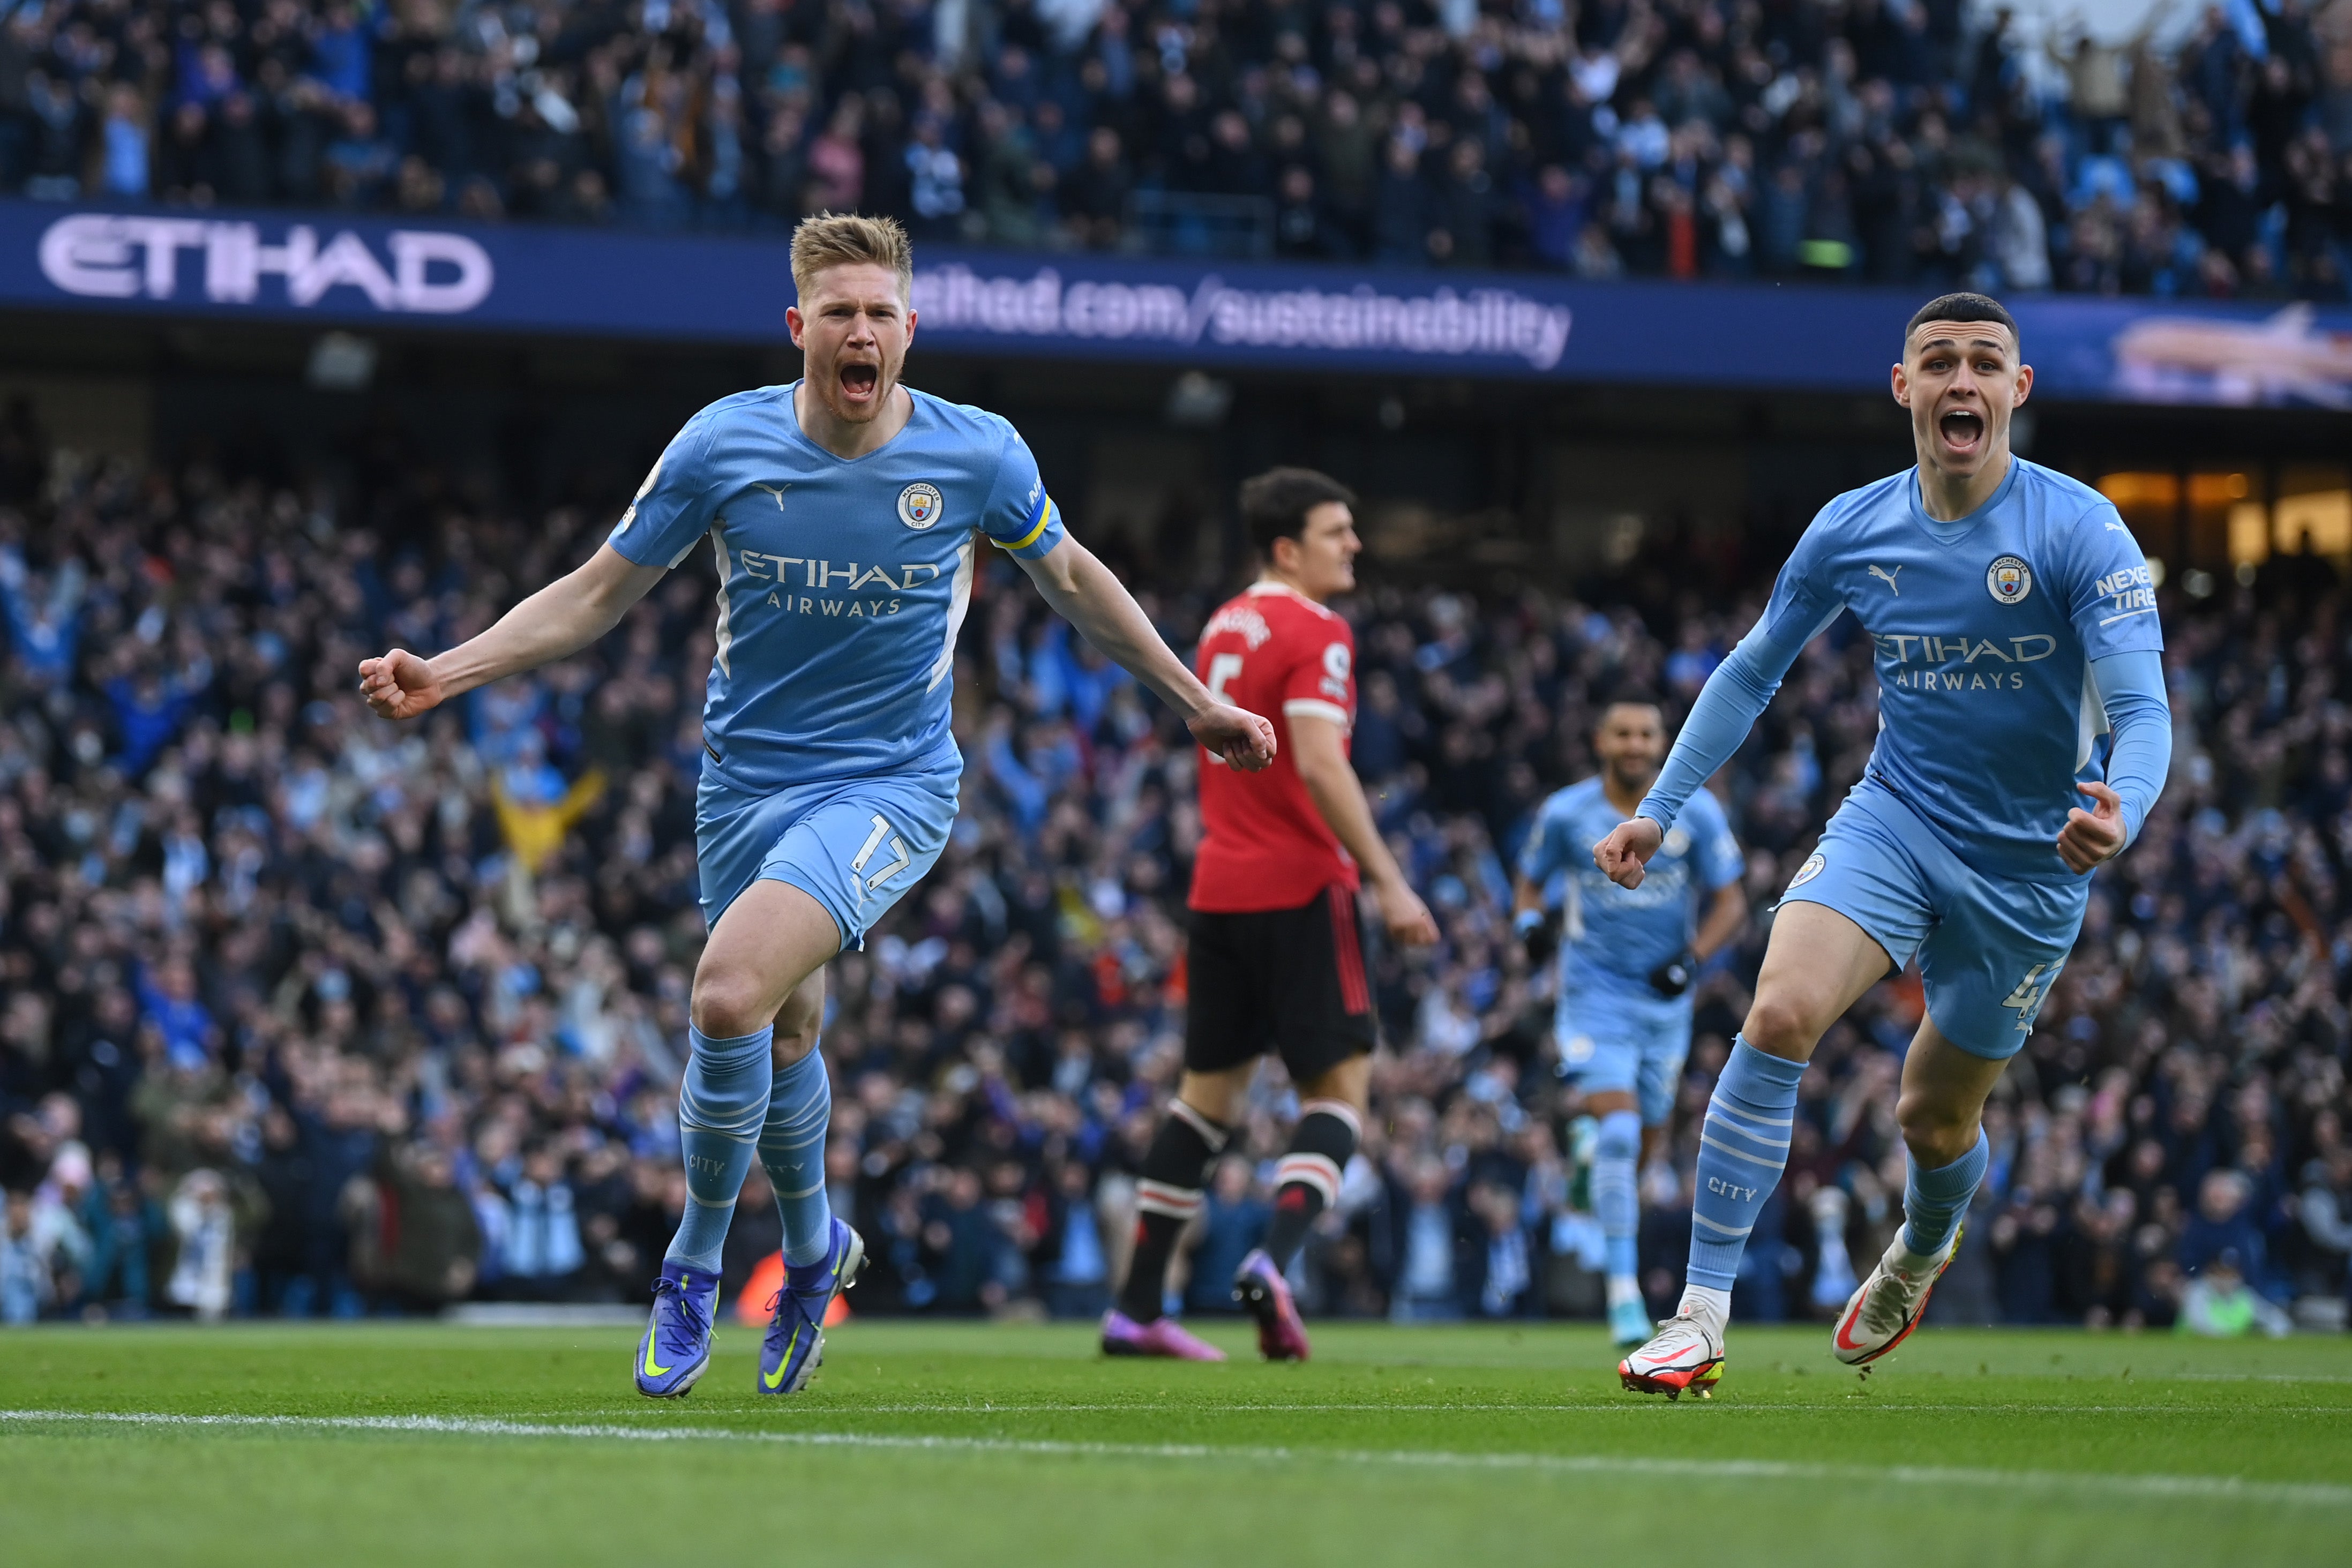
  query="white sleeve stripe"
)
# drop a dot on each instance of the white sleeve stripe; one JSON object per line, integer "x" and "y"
{"x": 1315, "y": 708}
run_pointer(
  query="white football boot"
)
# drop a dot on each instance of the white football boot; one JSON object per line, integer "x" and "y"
{"x": 1885, "y": 1307}
{"x": 1685, "y": 1354}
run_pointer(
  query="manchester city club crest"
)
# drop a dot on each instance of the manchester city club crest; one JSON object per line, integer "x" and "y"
{"x": 1807, "y": 871}
{"x": 2008, "y": 580}
{"x": 919, "y": 506}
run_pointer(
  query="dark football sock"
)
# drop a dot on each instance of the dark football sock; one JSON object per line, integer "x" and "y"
{"x": 1308, "y": 1176}
{"x": 1165, "y": 1198}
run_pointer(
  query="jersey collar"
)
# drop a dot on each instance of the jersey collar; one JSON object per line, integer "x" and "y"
{"x": 802, "y": 438}
{"x": 1266, "y": 585}
{"x": 1958, "y": 530}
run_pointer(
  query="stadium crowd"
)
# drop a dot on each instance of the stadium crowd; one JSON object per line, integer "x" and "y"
{"x": 1887, "y": 139}
{"x": 302, "y": 1013}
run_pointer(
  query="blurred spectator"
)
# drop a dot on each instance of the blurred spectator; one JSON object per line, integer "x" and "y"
{"x": 41, "y": 1254}
{"x": 2325, "y": 1211}
{"x": 2221, "y": 1226}
{"x": 127, "y": 1229}
{"x": 44, "y": 618}
{"x": 541, "y": 1246}
{"x": 1078, "y": 1279}
{"x": 1431, "y": 1234}
{"x": 1233, "y": 1220}
{"x": 2220, "y": 1305}
{"x": 1501, "y": 1282}
{"x": 420, "y": 1243}
{"x": 122, "y": 143}
{"x": 204, "y": 1232}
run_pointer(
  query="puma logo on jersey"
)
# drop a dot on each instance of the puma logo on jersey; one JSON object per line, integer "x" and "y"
{"x": 1879, "y": 572}
{"x": 775, "y": 490}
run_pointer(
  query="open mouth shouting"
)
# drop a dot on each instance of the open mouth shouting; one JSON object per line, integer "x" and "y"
{"x": 860, "y": 384}
{"x": 1961, "y": 431}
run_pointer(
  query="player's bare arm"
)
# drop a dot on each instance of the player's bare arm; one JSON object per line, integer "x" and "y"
{"x": 1321, "y": 759}
{"x": 553, "y": 623}
{"x": 1725, "y": 914}
{"x": 1083, "y": 591}
{"x": 1532, "y": 922}
{"x": 1527, "y": 899}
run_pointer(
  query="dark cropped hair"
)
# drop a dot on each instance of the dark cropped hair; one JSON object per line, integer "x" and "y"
{"x": 1626, "y": 696}
{"x": 1961, "y": 308}
{"x": 1630, "y": 696}
{"x": 1275, "y": 505}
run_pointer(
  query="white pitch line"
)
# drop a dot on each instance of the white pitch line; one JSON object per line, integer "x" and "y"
{"x": 2246, "y": 1378}
{"x": 1855, "y": 1402}
{"x": 2166, "y": 1488}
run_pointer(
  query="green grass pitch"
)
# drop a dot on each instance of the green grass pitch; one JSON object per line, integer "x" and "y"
{"x": 985, "y": 1445}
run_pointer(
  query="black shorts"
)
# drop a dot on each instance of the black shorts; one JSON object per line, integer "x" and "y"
{"x": 1279, "y": 979}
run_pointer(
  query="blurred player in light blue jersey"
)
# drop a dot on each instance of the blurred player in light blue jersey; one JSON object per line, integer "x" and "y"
{"x": 2023, "y": 737}
{"x": 1628, "y": 956}
{"x": 846, "y": 514}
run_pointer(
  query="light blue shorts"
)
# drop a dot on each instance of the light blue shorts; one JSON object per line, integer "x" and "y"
{"x": 1989, "y": 947}
{"x": 1625, "y": 1045}
{"x": 856, "y": 846}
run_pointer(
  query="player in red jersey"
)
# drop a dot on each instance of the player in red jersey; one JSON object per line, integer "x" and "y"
{"x": 1277, "y": 957}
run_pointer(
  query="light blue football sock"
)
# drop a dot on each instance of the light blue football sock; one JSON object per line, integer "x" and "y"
{"x": 792, "y": 1147}
{"x": 1933, "y": 1201}
{"x": 718, "y": 1110}
{"x": 1743, "y": 1146}
{"x": 1616, "y": 1198}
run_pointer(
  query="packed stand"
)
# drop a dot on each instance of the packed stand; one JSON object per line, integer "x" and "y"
{"x": 304, "y": 1013}
{"x": 1891, "y": 140}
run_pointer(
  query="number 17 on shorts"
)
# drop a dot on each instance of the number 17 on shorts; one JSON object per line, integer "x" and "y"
{"x": 900, "y": 861}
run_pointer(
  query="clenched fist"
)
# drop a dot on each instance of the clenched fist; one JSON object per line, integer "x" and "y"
{"x": 1244, "y": 739}
{"x": 400, "y": 684}
{"x": 1628, "y": 847}
{"x": 2093, "y": 836}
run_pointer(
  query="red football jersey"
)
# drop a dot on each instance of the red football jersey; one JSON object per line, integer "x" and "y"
{"x": 1263, "y": 845}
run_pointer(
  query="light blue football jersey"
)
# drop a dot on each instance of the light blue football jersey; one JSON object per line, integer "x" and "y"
{"x": 842, "y": 583}
{"x": 1611, "y": 936}
{"x": 1984, "y": 630}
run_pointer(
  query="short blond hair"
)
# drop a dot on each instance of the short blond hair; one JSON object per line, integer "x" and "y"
{"x": 837, "y": 239}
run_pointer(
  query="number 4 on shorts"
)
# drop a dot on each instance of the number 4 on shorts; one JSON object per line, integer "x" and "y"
{"x": 874, "y": 841}
{"x": 2027, "y": 997}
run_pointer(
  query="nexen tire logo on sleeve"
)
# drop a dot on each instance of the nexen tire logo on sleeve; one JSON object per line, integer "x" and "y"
{"x": 106, "y": 256}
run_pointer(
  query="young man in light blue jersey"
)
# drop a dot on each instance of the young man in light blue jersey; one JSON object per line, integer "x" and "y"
{"x": 846, "y": 513}
{"x": 2024, "y": 738}
{"x": 1628, "y": 956}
